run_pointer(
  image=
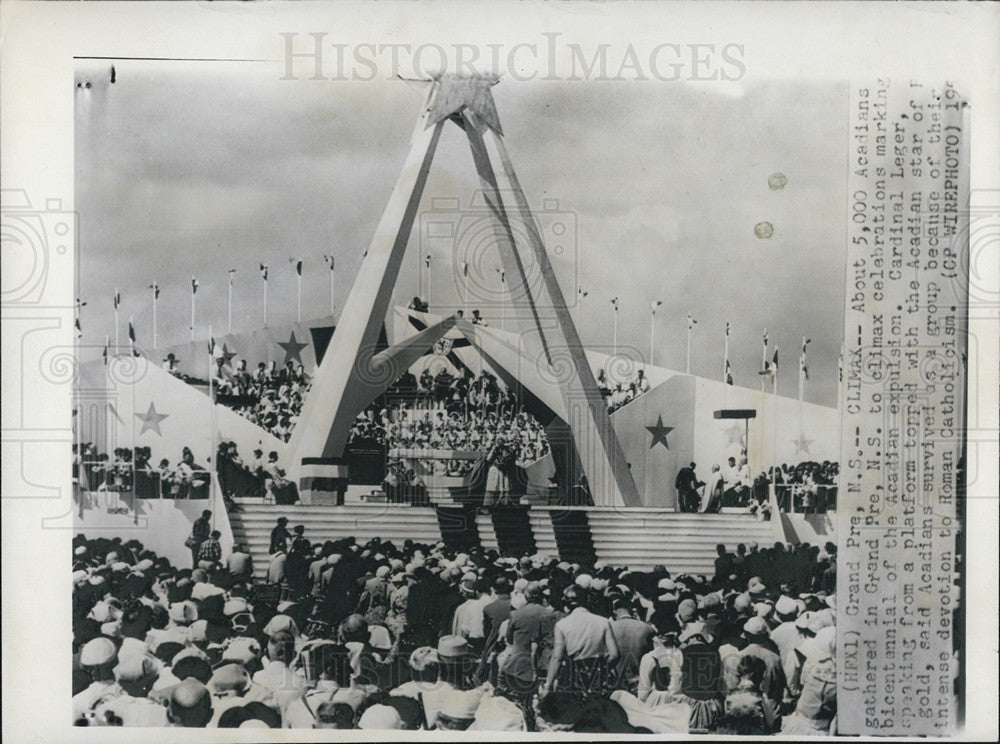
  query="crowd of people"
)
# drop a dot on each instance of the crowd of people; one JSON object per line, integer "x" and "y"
{"x": 806, "y": 487}
{"x": 377, "y": 635}
{"x": 270, "y": 396}
{"x": 617, "y": 394}
{"x": 132, "y": 470}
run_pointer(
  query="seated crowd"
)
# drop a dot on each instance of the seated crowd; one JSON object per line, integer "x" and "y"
{"x": 449, "y": 412}
{"x": 413, "y": 636}
{"x": 134, "y": 470}
{"x": 617, "y": 394}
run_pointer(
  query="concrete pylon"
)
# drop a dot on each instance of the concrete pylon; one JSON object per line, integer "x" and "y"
{"x": 343, "y": 382}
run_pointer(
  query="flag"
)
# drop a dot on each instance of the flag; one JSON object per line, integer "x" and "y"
{"x": 840, "y": 368}
{"x": 156, "y": 290}
{"x": 76, "y": 324}
{"x": 691, "y": 322}
{"x": 117, "y": 299}
{"x": 802, "y": 359}
{"x": 427, "y": 261}
{"x": 729, "y": 374}
{"x": 727, "y": 328}
{"x": 503, "y": 275}
{"x": 263, "y": 271}
{"x": 805, "y": 343}
{"x": 614, "y": 301}
{"x": 465, "y": 269}
{"x": 581, "y": 292}
{"x": 765, "y": 342}
{"x": 105, "y": 353}
{"x": 232, "y": 273}
{"x": 328, "y": 260}
{"x": 656, "y": 305}
{"x": 131, "y": 331}
{"x": 774, "y": 361}
{"x": 194, "y": 286}
{"x": 298, "y": 265}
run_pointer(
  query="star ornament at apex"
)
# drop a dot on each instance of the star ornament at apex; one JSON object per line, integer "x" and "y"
{"x": 802, "y": 444}
{"x": 151, "y": 420}
{"x": 293, "y": 349}
{"x": 659, "y": 433}
{"x": 456, "y": 92}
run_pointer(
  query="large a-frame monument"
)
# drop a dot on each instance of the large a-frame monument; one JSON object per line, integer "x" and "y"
{"x": 352, "y": 374}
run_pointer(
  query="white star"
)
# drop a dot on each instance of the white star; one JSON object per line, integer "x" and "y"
{"x": 151, "y": 420}
{"x": 802, "y": 444}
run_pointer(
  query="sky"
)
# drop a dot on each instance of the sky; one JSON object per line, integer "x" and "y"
{"x": 192, "y": 168}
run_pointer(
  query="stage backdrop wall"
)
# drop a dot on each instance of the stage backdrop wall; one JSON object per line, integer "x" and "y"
{"x": 657, "y": 433}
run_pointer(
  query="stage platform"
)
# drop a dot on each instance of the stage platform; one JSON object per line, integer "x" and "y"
{"x": 637, "y": 538}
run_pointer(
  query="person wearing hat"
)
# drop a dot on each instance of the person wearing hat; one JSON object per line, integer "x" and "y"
{"x": 200, "y": 531}
{"x": 584, "y": 647}
{"x": 525, "y": 633}
{"x": 276, "y": 673}
{"x": 467, "y": 620}
{"x": 455, "y": 665}
{"x": 759, "y": 644}
{"x": 816, "y": 705}
{"x": 424, "y": 666}
{"x": 785, "y": 634}
{"x": 98, "y": 658}
{"x": 458, "y": 711}
{"x": 135, "y": 676}
{"x": 380, "y": 717}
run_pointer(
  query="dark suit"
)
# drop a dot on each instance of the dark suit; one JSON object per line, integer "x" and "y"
{"x": 686, "y": 484}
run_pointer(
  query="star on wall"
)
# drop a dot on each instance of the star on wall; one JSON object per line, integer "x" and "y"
{"x": 293, "y": 349}
{"x": 227, "y": 356}
{"x": 802, "y": 444}
{"x": 734, "y": 434}
{"x": 151, "y": 420}
{"x": 455, "y": 93}
{"x": 659, "y": 433}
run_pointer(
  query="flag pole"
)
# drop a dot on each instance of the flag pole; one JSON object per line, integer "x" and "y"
{"x": 265, "y": 302}
{"x": 614, "y": 348}
{"x": 725, "y": 363}
{"x": 117, "y": 296}
{"x": 229, "y": 308}
{"x": 652, "y": 326}
{"x": 156, "y": 290}
{"x": 332, "y": 308}
{"x": 763, "y": 363}
{"x": 298, "y": 306}
{"x": 194, "y": 291}
{"x": 690, "y": 327}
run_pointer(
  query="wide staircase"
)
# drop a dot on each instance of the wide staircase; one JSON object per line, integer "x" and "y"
{"x": 637, "y": 538}
{"x": 252, "y": 525}
{"x": 684, "y": 543}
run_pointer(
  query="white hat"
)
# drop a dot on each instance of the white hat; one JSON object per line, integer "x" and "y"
{"x": 381, "y": 572}
{"x": 584, "y": 581}
{"x": 786, "y": 606}
{"x": 498, "y": 714}
{"x": 97, "y": 652}
{"x": 380, "y": 717}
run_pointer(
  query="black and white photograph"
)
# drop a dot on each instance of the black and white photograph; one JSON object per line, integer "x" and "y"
{"x": 536, "y": 387}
